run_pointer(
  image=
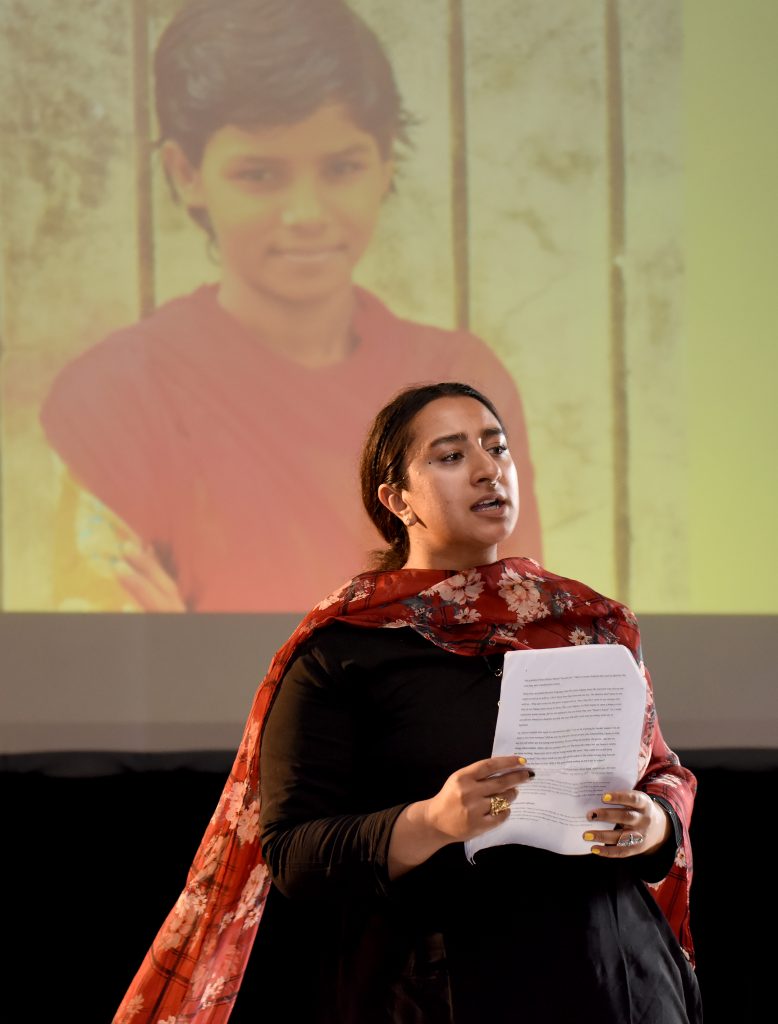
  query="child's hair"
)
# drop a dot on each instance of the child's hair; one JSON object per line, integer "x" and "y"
{"x": 257, "y": 63}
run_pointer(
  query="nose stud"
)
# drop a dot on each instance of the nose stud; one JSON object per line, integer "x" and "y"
{"x": 493, "y": 484}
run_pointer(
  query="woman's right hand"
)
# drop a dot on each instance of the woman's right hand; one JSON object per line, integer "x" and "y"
{"x": 463, "y": 807}
{"x": 461, "y": 810}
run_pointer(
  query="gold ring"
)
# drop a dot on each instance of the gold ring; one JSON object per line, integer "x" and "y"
{"x": 498, "y": 804}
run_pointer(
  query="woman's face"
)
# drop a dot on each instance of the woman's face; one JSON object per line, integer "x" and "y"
{"x": 292, "y": 207}
{"x": 461, "y": 493}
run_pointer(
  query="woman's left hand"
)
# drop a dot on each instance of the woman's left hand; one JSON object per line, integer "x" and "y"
{"x": 634, "y": 824}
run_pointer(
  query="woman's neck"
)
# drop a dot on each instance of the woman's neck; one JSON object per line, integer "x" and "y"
{"x": 313, "y": 334}
{"x": 452, "y": 558}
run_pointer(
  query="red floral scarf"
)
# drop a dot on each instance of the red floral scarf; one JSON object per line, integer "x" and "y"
{"x": 194, "y": 968}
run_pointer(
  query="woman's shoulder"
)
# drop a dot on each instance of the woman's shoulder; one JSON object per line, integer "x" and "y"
{"x": 533, "y": 570}
{"x": 566, "y": 599}
{"x": 340, "y": 648}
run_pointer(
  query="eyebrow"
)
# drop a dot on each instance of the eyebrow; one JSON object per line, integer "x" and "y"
{"x": 460, "y": 437}
{"x": 359, "y": 149}
{"x": 355, "y": 150}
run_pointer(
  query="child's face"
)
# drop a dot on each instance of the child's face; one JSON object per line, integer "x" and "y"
{"x": 293, "y": 207}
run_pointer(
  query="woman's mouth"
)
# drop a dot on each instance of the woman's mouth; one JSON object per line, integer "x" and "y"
{"x": 488, "y": 505}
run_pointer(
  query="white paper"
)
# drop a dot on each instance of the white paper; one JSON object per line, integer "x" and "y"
{"x": 576, "y": 714}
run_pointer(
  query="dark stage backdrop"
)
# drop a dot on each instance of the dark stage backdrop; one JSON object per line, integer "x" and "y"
{"x": 85, "y": 891}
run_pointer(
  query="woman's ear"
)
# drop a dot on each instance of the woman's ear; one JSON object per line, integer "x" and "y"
{"x": 392, "y": 499}
{"x": 185, "y": 179}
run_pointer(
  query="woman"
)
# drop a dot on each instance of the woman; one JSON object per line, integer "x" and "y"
{"x": 375, "y": 769}
{"x": 190, "y": 487}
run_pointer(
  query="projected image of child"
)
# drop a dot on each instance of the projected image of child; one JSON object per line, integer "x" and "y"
{"x": 216, "y": 439}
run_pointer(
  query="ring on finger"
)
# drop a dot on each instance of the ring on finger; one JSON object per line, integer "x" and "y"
{"x": 630, "y": 839}
{"x": 498, "y": 804}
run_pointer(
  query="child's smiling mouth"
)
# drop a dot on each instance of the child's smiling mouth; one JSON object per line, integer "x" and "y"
{"x": 313, "y": 254}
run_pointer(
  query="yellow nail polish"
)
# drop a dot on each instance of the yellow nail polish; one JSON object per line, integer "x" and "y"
{"x": 607, "y": 798}
{"x": 596, "y": 849}
{"x": 589, "y": 837}
{"x": 521, "y": 760}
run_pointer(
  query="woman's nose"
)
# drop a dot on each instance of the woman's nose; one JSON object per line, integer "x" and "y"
{"x": 487, "y": 467}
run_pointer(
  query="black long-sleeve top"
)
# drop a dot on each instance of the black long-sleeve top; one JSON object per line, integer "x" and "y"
{"x": 365, "y": 722}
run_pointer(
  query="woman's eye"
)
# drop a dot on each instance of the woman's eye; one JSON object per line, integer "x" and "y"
{"x": 452, "y": 457}
{"x": 498, "y": 449}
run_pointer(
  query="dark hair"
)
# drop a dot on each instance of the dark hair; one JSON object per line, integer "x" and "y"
{"x": 254, "y": 63}
{"x": 384, "y": 454}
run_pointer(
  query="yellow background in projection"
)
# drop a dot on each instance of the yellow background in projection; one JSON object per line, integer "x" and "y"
{"x": 698, "y": 93}
{"x": 731, "y": 245}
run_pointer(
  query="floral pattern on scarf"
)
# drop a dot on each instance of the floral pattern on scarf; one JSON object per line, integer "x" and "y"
{"x": 193, "y": 971}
